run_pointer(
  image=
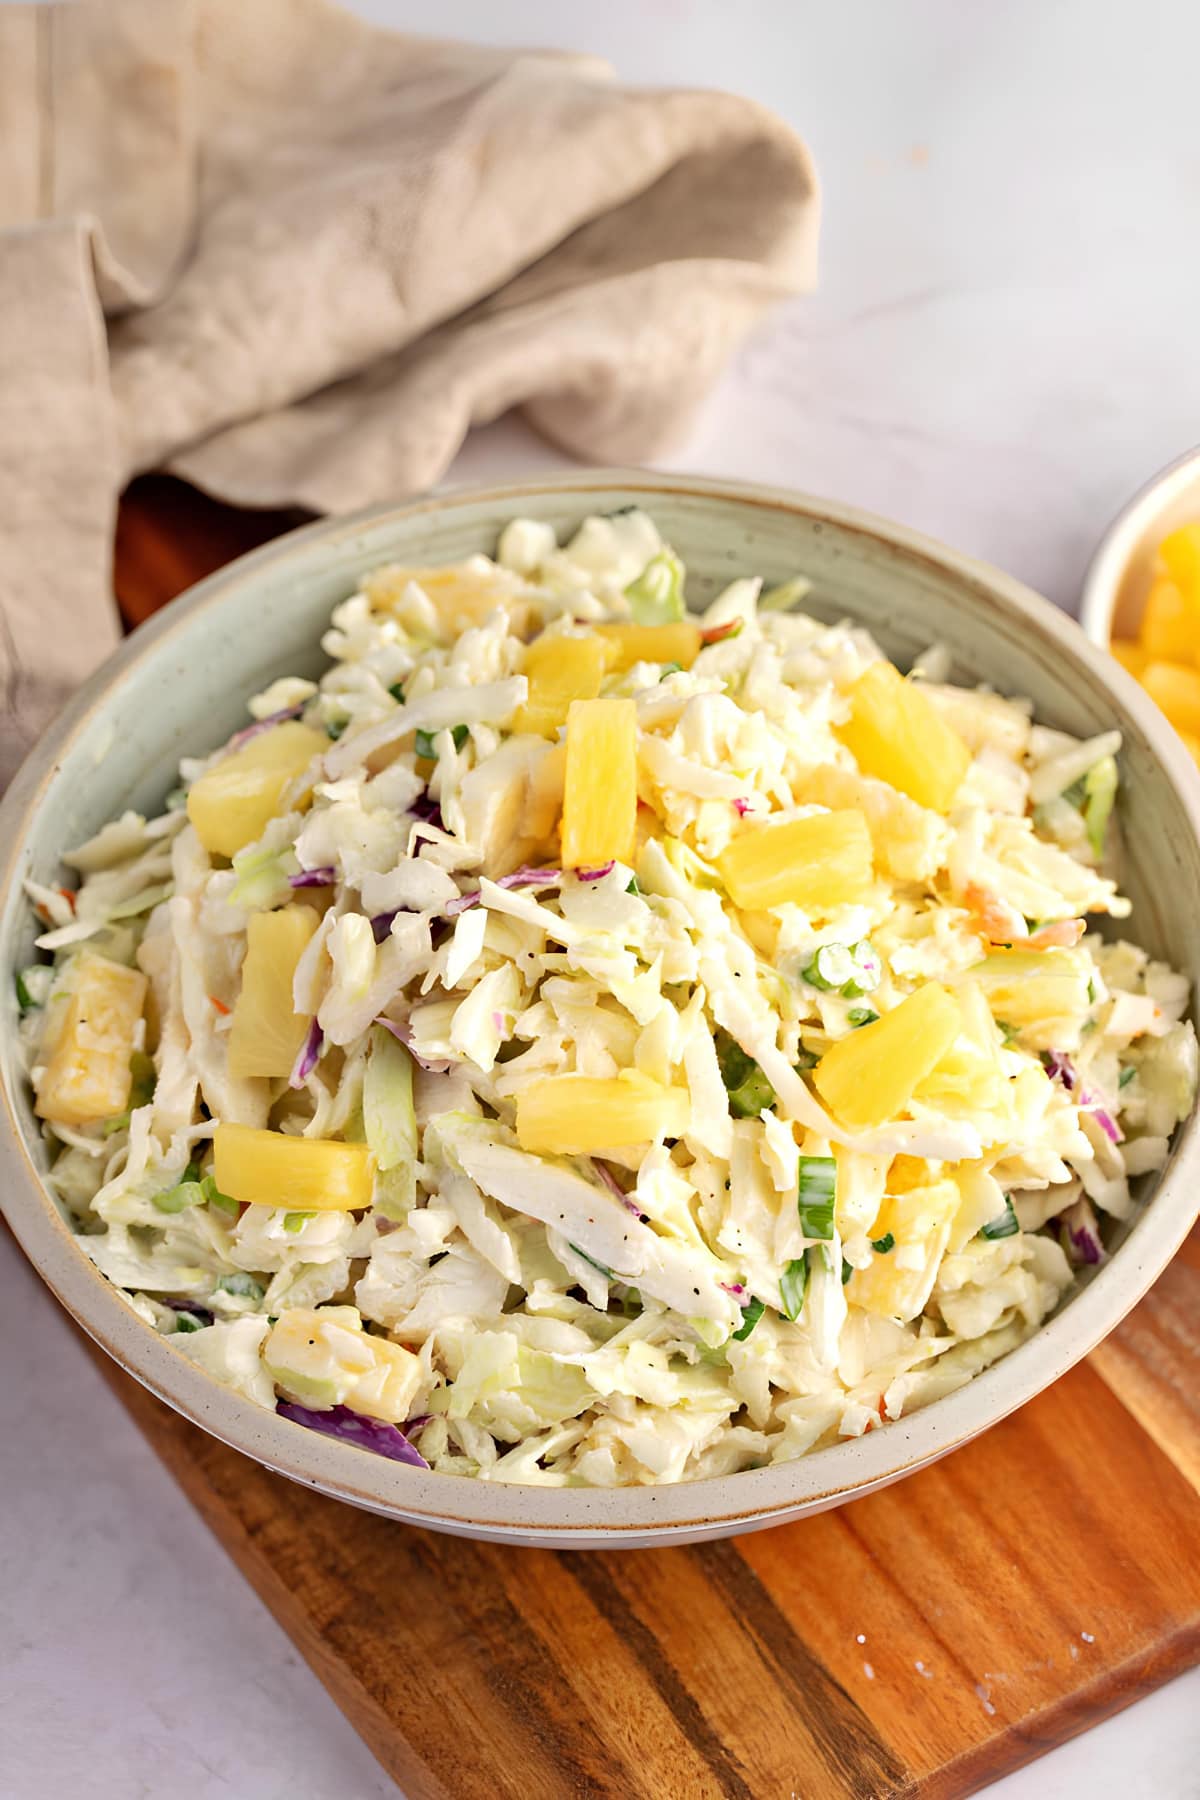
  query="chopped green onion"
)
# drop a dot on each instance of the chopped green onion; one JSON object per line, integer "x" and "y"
{"x": 185, "y": 1193}
{"x": 671, "y": 668}
{"x": 632, "y": 885}
{"x": 397, "y": 692}
{"x": 847, "y": 969}
{"x": 118, "y": 1122}
{"x": 335, "y": 728}
{"x": 25, "y": 999}
{"x": 215, "y": 1197}
{"x": 241, "y": 1284}
{"x": 1008, "y": 1032}
{"x": 750, "y": 1093}
{"x": 1006, "y": 1224}
{"x": 656, "y": 595}
{"x": 1126, "y": 1076}
{"x": 752, "y": 1312}
{"x": 807, "y": 1059}
{"x": 815, "y": 1196}
{"x": 1100, "y": 791}
{"x": 187, "y": 1322}
{"x": 296, "y": 1221}
{"x": 792, "y": 1285}
{"x": 884, "y": 1244}
{"x": 1091, "y": 992}
{"x": 424, "y": 741}
{"x": 861, "y": 1015}
{"x": 847, "y": 1271}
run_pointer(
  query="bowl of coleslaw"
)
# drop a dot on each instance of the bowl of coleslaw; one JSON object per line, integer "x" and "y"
{"x": 620, "y": 1008}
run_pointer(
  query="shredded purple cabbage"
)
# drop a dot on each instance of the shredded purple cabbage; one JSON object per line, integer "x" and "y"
{"x": 596, "y": 874}
{"x": 325, "y": 877}
{"x": 309, "y": 1056}
{"x": 736, "y": 1288}
{"x": 1060, "y": 1068}
{"x": 614, "y": 1187}
{"x": 356, "y": 1428}
{"x": 403, "y": 1035}
{"x": 742, "y": 807}
{"x": 190, "y": 1306}
{"x": 381, "y": 925}
{"x": 520, "y": 878}
{"x": 1083, "y": 1233}
{"x": 260, "y": 725}
{"x": 427, "y": 810}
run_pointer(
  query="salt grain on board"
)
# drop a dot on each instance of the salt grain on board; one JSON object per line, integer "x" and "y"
{"x": 919, "y": 1666}
{"x": 860, "y": 1639}
{"x": 868, "y": 1671}
{"x": 982, "y": 1690}
{"x": 1087, "y": 1637}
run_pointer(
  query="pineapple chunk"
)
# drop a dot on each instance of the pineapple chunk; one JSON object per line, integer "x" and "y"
{"x": 1170, "y": 629}
{"x": 571, "y": 1115}
{"x": 322, "y": 1357}
{"x": 762, "y": 929}
{"x": 917, "y": 1212}
{"x": 599, "y": 818}
{"x": 628, "y": 644}
{"x": 544, "y": 798}
{"x": 895, "y": 732}
{"x": 910, "y": 842}
{"x": 819, "y": 862}
{"x": 1131, "y": 656}
{"x": 90, "y": 1031}
{"x": 559, "y": 670}
{"x": 266, "y": 1035}
{"x": 867, "y": 1078}
{"x": 1176, "y": 691}
{"x": 461, "y": 594}
{"x": 231, "y": 804}
{"x": 1180, "y": 551}
{"x": 1043, "y": 993}
{"x": 307, "y": 1174}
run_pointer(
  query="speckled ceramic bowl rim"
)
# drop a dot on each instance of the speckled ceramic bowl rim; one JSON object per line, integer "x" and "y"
{"x": 598, "y": 1516}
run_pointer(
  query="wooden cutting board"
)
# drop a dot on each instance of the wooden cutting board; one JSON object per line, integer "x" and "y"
{"x": 922, "y": 1641}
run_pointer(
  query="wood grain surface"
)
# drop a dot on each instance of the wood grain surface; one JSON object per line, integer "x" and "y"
{"x": 919, "y": 1642}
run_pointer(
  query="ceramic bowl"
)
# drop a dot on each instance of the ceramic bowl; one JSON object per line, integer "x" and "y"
{"x": 1118, "y": 577}
{"x": 179, "y": 687}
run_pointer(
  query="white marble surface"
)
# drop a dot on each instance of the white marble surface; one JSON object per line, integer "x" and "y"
{"x": 996, "y": 354}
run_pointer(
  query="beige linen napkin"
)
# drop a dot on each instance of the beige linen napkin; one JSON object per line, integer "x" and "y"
{"x": 293, "y": 258}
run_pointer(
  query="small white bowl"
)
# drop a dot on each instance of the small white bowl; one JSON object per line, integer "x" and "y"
{"x": 1118, "y": 577}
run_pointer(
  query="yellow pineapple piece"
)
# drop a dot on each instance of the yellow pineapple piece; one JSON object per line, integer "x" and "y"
{"x": 322, "y": 1357}
{"x": 1043, "y": 994}
{"x": 870, "y": 1076}
{"x": 1170, "y": 628}
{"x": 820, "y": 862}
{"x": 910, "y": 842}
{"x": 599, "y": 817}
{"x": 571, "y": 1115}
{"x": 628, "y": 644}
{"x": 1130, "y": 655}
{"x": 231, "y": 804}
{"x": 1176, "y": 691}
{"x": 968, "y": 1078}
{"x": 762, "y": 929}
{"x": 1180, "y": 552}
{"x": 917, "y": 1213}
{"x": 88, "y": 1041}
{"x": 895, "y": 732}
{"x": 544, "y": 795}
{"x": 304, "y": 1174}
{"x": 559, "y": 670}
{"x": 462, "y": 594}
{"x": 266, "y": 1035}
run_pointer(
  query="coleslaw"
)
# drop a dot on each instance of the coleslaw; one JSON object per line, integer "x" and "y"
{"x": 579, "y": 1041}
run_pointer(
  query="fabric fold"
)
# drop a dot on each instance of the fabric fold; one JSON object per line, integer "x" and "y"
{"x": 325, "y": 251}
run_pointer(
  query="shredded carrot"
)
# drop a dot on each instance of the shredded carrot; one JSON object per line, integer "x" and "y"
{"x": 219, "y": 1004}
{"x": 69, "y": 897}
{"x": 716, "y": 633}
